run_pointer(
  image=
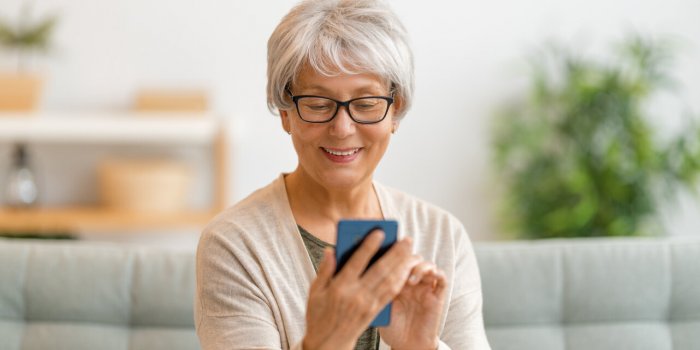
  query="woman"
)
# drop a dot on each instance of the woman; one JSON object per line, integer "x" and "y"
{"x": 340, "y": 73}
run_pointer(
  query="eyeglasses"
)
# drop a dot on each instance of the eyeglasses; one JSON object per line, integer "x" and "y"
{"x": 362, "y": 110}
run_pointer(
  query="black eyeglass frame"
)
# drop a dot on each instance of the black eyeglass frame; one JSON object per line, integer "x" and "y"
{"x": 338, "y": 104}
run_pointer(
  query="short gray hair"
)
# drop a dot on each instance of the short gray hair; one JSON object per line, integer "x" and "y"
{"x": 339, "y": 36}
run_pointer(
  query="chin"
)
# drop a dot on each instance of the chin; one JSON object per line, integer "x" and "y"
{"x": 342, "y": 180}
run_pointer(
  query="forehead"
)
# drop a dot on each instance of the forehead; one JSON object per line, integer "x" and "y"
{"x": 312, "y": 81}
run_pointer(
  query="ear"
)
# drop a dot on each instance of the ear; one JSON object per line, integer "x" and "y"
{"x": 397, "y": 106}
{"x": 284, "y": 117}
{"x": 398, "y": 103}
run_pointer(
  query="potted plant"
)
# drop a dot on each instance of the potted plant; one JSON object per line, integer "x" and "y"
{"x": 578, "y": 156}
{"x": 19, "y": 89}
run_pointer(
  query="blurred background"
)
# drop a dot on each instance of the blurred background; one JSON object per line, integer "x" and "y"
{"x": 105, "y": 58}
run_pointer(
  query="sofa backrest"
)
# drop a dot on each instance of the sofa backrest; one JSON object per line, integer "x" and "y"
{"x": 72, "y": 295}
{"x": 603, "y": 294}
{"x": 576, "y": 294}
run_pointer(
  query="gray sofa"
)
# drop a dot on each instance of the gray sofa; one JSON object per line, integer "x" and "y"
{"x": 561, "y": 294}
{"x": 602, "y": 294}
{"x": 74, "y": 296}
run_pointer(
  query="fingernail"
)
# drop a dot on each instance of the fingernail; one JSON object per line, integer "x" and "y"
{"x": 413, "y": 279}
{"x": 379, "y": 234}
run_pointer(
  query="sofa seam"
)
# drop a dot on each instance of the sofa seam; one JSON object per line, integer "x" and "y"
{"x": 25, "y": 293}
{"x": 563, "y": 322}
{"x": 130, "y": 289}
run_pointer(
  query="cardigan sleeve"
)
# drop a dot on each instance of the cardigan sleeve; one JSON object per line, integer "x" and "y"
{"x": 464, "y": 326}
{"x": 231, "y": 310}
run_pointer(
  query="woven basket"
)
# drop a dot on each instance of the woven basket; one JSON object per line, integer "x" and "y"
{"x": 160, "y": 186}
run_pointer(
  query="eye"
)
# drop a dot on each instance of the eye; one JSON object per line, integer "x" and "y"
{"x": 318, "y": 107}
{"x": 316, "y": 104}
{"x": 366, "y": 104}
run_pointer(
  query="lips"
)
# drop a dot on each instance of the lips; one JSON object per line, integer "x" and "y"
{"x": 341, "y": 152}
{"x": 341, "y": 155}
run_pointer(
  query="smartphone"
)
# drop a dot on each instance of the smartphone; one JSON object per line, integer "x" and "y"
{"x": 351, "y": 233}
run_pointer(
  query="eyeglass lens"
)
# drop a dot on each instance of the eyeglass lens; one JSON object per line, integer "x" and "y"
{"x": 319, "y": 109}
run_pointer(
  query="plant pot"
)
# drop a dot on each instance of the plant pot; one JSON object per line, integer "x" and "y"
{"x": 19, "y": 92}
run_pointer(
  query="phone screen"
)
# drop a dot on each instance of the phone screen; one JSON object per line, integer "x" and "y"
{"x": 351, "y": 233}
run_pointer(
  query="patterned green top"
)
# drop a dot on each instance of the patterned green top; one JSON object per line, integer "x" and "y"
{"x": 369, "y": 340}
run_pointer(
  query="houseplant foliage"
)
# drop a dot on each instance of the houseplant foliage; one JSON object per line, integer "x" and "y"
{"x": 578, "y": 157}
{"x": 26, "y": 36}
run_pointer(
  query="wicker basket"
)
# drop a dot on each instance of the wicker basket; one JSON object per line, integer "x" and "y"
{"x": 160, "y": 186}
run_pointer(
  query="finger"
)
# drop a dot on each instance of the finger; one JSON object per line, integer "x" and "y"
{"x": 325, "y": 269}
{"x": 388, "y": 276}
{"x": 441, "y": 282}
{"x": 399, "y": 252}
{"x": 424, "y": 269}
{"x": 357, "y": 263}
{"x": 436, "y": 280}
{"x": 396, "y": 260}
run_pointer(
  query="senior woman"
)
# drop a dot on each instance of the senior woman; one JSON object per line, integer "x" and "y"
{"x": 340, "y": 73}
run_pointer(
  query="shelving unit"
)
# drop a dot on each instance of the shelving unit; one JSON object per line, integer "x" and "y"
{"x": 114, "y": 129}
{"x": 104, "y": 128}
{"x": 94, "y": 219}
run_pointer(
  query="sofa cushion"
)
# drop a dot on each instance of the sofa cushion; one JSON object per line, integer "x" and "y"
{"x": 170, "y": 303}
{"x": 13, "y": 265}
{"x": 685, "y": 284}
{"x": 74, "y": 283}
{"x": 80, "y": 295}
{"x": 575, "y": 294}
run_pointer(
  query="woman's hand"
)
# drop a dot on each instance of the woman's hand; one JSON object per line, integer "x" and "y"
{"x": 415, "y": 314}
{"x": 340, "y": 308}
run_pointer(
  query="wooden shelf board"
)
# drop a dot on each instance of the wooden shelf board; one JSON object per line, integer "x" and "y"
{"x": 141, "y": 127}
{"x": 81, "y": 219}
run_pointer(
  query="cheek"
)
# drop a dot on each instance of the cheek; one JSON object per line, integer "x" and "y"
{"x": 381, "y": 137}
{"x": 306, "y": 138}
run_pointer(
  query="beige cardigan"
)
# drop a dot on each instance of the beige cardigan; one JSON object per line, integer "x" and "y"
{"x": 254, "y": 273}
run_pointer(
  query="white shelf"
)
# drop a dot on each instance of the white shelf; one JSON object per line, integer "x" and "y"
{"x": 141, "y": 127}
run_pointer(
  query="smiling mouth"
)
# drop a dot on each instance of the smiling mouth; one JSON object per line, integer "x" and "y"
{"x": 343, "y": 153}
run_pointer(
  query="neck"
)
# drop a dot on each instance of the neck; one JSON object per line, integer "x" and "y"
{"x": 312, "y": 201}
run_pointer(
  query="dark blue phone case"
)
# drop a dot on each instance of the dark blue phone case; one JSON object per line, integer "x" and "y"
{"x": 350, "y": 234}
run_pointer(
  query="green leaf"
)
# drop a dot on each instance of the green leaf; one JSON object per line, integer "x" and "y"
{"x": 577, "y": 154}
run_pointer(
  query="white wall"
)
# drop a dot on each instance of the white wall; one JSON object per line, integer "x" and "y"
{"x": 468, "y": 61}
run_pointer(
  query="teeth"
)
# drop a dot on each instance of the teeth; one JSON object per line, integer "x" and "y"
{"x": 346, "y": 153}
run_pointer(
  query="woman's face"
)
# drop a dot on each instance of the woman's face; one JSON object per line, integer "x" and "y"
{"x": 341, "y": 153}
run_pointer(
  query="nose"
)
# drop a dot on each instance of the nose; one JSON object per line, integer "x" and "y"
{"x": 342, "y": 125}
